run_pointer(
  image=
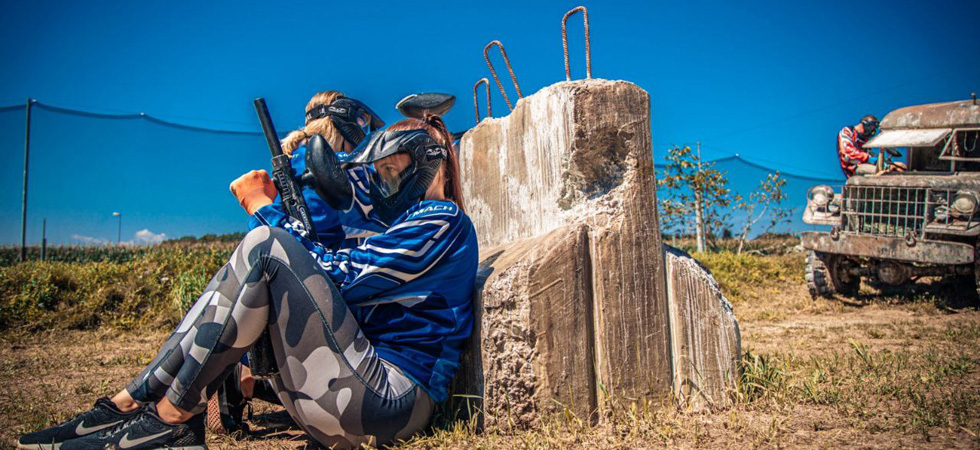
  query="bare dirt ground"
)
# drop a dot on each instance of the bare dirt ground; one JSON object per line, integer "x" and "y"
{"x": 865, "y": 372}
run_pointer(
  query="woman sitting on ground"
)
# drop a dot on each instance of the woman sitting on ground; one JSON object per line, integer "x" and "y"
{"x": 341, "y": 123}
{"x": 366, "y": 339}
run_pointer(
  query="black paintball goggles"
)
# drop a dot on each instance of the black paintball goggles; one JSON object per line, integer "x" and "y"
{"x": 393, "y": 191}
{"x": 870, "y": 126}
{"x": 353, "y": 119}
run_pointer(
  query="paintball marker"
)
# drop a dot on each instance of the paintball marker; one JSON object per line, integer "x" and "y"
{"x": 289, "y": 190}
{"x": 260, "y": 357}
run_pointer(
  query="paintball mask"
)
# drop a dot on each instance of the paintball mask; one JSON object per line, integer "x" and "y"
{"x": 870, "y": 125}
{"x": 325, "y": 174}
{"x": 352, "y": 118}
{"x": 394, "y": 188}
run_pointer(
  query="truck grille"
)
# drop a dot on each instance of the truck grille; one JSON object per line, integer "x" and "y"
{"x": 884, "y": 210}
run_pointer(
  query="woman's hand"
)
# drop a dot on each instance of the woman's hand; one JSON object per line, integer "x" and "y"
{"x": 254, "y": 190}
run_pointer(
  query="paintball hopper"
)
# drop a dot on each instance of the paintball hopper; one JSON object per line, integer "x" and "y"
{"x": 416, "y": 105}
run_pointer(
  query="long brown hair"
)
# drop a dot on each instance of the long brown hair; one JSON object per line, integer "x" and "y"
{"x": 322, "y": 125}
{"x": 436, "y": 128}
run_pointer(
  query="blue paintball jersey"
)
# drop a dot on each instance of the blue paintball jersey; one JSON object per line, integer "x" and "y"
{"x": 410, "y": 288}
{"x": 333, "y": 227}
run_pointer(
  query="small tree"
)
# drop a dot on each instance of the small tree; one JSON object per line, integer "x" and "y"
{"x": 672, "y": 218}
{"x": 693, "y": 188}
{"x": 767, "y": 201}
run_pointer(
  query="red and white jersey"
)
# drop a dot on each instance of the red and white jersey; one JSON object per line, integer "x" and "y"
{"x": 850, "y": 150}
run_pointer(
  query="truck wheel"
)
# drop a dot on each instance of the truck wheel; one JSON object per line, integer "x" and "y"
{"x": 825, "y": 276}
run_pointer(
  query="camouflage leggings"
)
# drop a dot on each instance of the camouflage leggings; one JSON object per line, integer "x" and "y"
{"x": 330, "y": 379}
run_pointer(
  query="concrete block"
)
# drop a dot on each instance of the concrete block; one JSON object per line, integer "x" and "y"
{"x": 534, "y": 170}
{"x": 575, "y": 303}
{"x": 706, "y": 341}
{"x": 536, "y": 350}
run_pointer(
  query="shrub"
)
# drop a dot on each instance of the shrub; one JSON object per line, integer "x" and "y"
{"x": 152, "y": 285}
{"x": 741, "y": 276}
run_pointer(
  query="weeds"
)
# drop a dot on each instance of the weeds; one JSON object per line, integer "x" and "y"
{"x": 898, "y": 382}
{"x": 909, "y": 391}
{"x": 749, "y": 278}
{"x": 154, "y": 286}
{"x": 760, "y": 378}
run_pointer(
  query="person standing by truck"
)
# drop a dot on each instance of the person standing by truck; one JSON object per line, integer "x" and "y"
{"x": 850, "y": 147}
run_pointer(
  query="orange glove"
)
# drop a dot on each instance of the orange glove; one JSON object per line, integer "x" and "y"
{"x": 254, "y": 190}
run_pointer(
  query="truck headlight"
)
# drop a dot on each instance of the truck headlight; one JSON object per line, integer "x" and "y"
{"x": 964, "y": 204}
{"x": 821, "y": 196}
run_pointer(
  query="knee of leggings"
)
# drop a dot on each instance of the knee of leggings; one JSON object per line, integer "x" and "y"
{"x": 280, "y": 234}
{"x": 259, "y": 241}
{"x": 257, "y": 237}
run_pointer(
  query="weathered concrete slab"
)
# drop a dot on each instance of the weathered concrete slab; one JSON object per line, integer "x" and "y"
{"x": 563, "y": 187}
{"x": 526, "y": 174}
{"x": 615, "y": 195}
{"x": 537, "y": 346}
{"x": 706, "y": 341}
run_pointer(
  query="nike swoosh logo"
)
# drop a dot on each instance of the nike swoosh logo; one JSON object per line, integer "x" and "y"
{"x": 125, "y": 443}
{"x": 82, "y": 430}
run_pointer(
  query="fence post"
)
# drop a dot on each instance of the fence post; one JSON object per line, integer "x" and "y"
{"x": 27, "y": 157}
{"x": 44, "y": 239}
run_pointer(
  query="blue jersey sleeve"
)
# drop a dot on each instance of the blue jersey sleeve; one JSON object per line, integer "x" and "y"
{"x": 273, "y": 215}
{"x": 383, "y": 263}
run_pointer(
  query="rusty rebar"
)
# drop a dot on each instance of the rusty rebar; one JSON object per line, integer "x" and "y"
{"x": 476, "y": 103}
{"x": 513, "y": 77}
{"x": 564, "y": 42}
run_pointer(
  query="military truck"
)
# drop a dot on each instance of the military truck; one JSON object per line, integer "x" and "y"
{"x": 892, "y": 228}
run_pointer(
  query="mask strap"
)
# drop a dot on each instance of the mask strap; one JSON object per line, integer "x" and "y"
{"x": 320, "y": 111}
{"x": 317, "y": 112}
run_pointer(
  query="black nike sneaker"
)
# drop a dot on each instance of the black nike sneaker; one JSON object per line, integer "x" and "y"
{"x": 103, "y": 415}
{"x": 146, "y": 431}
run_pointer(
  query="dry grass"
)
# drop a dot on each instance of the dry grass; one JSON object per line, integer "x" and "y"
{"x": 871, "y": 372}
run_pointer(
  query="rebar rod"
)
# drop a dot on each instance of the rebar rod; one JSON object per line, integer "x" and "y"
{"x": 476, "y": 103}
{"x": 513, "y": 77}
{"x": 564, "y": 42}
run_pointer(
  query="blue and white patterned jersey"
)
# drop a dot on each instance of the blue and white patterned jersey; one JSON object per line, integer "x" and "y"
{"x": 410, "y": 288}
{"x": 332, "y": 226}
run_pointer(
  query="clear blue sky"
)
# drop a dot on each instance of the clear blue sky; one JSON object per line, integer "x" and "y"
{"x": 773, "y": 81}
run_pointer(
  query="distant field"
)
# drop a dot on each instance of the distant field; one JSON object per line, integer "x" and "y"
{"x": 82, "y": 288}
{"x": 871, "y": 371}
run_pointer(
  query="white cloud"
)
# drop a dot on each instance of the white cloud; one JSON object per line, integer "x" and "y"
{"x": 89, "y": 240}
{"x": 147, "y": 237}
{"x": 142, "y": 237}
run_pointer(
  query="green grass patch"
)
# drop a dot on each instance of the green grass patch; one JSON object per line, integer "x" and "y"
{"x": 743, "y": 276}
{"x": 908, "y": 391}
{"x": 153, "y": 285}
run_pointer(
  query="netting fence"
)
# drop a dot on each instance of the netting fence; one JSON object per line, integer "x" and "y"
{"x": 168, "y": 179}
{"x": 85, "y": 165}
